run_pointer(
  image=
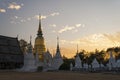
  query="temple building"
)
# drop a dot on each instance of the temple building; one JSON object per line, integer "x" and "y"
{"x": 39, "y": 46}
{"x": 11, "y": 56}
{"x": 41, "y": 57}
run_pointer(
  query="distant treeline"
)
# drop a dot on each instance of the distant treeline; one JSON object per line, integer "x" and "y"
{"x": 102, "y": 56}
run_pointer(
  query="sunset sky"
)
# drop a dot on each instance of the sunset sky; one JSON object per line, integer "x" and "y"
{"x": 92, "y": 24}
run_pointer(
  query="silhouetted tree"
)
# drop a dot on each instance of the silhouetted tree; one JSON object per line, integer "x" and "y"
{"x": 82, "y": 56}
{"x": 91, "y": 57}
{"x": 23, "y": 45}
{"x": 66, "y": 64}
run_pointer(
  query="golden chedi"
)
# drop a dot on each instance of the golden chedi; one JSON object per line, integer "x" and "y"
{"x": 39, "y": 46}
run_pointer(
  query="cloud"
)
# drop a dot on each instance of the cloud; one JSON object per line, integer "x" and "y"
{"x": 66, "y": 28}
{"x": 83, "y": 25}
{"x": 13, "y": 22}
{"x": 53, "y": 25}
{"x": 15, "y": 6}
{"x": 94, "y": 41}
{"x": 114, "y": 38}
{"x": 54, "y": 31}
{"x": 28, "y": 19}
{"x": 22, "y": 4}
{"x": 42, "y": 17}
{"x": 78, "y": 25}
{"x": 18, "y": 19}
{"x": 23, "y": 20}
{"x": 101, "y": 40}
{"x": 46, "y": 16}
{"x": 75, "y": 30}
{"x": 90, "y": 42}
{"x": 69, "y": 28}
{"x": 2, "y": 10}
{"x": 55, "y": 13}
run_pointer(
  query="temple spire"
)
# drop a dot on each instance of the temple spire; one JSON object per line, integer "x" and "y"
{"x": 39, "y": 29}
{"x": 17, "y": 36}
{"x": 58, "y": 44}
{"x": 30, "y": 46}
{"x": 77, "y": 48}
{"x": 30, "y": 39}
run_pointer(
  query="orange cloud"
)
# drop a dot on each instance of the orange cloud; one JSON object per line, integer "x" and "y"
{"x": 89, "y": 43}
{"x": 114, "y": 38}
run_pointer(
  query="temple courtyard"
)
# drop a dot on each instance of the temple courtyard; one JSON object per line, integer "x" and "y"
{"x": 62, "y": 75}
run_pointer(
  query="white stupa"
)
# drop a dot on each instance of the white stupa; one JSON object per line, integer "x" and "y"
{"x": 118, "y": 63}
{"x": 29, "y": 60}
{"x": 78, "y": 62}
{"x": 48, "y": 59}
{"x": 95, "y": 64}
{"x": 85, "y": 66}
{"x": 102, "y": 66}
{"x": 37, "y": 61}
{"x": 57, "y": 59}
{"x": 71, "y": 66}
{"x": 37, "y": 57}
{"x": 111, "y": 64}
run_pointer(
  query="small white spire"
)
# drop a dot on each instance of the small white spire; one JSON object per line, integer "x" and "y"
{"x": 30, "y": 39}
{"x": 58, "y": 49}
{"x": 77, "y": 48}
{"x": 17, "y": 36}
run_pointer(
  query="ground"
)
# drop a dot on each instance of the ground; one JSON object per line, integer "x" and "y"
{"x": 62, "y": 75}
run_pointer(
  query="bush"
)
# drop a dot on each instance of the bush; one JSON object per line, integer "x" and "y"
{"x": 65, "y": 66}
{"x": 40, "y": 68}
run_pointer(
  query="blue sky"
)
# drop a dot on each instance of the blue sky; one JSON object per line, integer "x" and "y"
{"x": 89, "y": 23}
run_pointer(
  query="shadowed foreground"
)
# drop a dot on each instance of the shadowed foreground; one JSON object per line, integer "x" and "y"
{"x": 5, "y": 75}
